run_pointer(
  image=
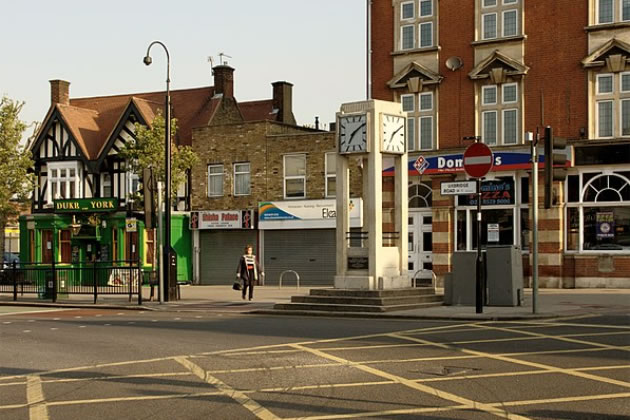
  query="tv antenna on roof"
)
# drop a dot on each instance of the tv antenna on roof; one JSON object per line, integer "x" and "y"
{"x": 221, "y": 55}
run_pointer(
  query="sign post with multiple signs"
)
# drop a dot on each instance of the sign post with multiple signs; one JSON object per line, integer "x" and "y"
{"x": 477, "y": 163}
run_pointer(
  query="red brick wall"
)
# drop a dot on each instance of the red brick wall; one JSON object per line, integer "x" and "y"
{"x": 555, "y": 46}
{"x": 382, "y": 45}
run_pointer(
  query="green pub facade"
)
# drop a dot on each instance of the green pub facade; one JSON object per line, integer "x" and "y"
{"x": 81, "y": 212}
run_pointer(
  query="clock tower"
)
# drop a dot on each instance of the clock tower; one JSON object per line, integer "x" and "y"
{"x": 370, "y": 131}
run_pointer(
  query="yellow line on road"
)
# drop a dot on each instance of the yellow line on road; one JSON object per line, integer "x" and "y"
{"x": 37, "y": 409}
{"x": 366, "y": 414}
{"x": 552, "y": 337}
{"x": 251, "y": 405}
{"x": 128, "y": 399}
{"x": 549, "y": 368}
{"x": 419, "y": 387}
{"x": 564, "y": 399}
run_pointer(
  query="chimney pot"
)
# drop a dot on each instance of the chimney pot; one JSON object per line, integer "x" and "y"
{"x": 59, "y": 92}
{"x": 224, "y": 80}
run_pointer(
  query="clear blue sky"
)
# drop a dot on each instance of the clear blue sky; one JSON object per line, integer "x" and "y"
{"x": 98, "y": 47}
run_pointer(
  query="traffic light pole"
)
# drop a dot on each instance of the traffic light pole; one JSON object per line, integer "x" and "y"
{"x": 535, "y": 223}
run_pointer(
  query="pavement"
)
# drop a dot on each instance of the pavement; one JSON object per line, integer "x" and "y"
{"x": 551, "y": 303}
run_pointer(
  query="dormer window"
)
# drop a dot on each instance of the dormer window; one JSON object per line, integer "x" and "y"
{"x": 63, "y": 180}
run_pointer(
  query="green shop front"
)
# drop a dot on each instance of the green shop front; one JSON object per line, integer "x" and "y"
{"x": 82, "y": 232}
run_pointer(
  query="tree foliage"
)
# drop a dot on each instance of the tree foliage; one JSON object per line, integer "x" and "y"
{"x": 148, "y": 152}
{"x": 16, "y": 178}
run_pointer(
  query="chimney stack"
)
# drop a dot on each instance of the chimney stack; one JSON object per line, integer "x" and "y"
{"x": 59, "y": 92}
{"x": 224, "y": 80}
{"x": 283, "y": 101}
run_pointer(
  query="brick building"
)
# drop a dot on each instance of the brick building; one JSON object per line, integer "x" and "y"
{"x": 497, "y": 69}
{"x": 263, "y": 180}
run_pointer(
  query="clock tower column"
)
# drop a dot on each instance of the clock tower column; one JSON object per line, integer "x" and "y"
{"x": 362, "y": 260}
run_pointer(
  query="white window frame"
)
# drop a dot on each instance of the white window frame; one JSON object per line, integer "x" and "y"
{"x": 131, "y": 177}
{"x": 503, "y": 125}
{"x": 328, "y": 175}
{"x": 598, "y": 84}
{"x": 597, "y": 128}
{"x": 293, "y": 177}
{"x": 580, "y": 205}
{"x": 483, "y": 95}
{"x": 103, "y": 175}
{"x": 420, "y": 39}
{"x": 420, "y": 9}
{"x": 402, "y": 37}
{"x": 420, "y": 119}
{"x": 483, "y": 26}
{"x": 599, "y": 22}
{"x": 496, "y": 126}
{"x": 217, "y": 175}
{"x": 484, "y": 5}
{"x": 621, "y": 12}
{"x": 506, "y": 2}
{"x": 413, "y": 102}
{"x": 505, "y": 85}
{"x": 58, "y": 166}
{"x": 430, "y": 95}
{"x": 242, "y": 173}
{"x": 516, "y": 31}
{"x": 413, "y": 13}
{"x": 621, "y": 76}
{"x": 411, "y": 134}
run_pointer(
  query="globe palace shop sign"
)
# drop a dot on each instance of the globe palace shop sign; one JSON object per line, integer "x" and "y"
{"x": 86, "y": 205}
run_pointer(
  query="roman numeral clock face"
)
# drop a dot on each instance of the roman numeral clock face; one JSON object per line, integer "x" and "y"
{"x": 393, "y": 140}
{"x": 353, "y": 134}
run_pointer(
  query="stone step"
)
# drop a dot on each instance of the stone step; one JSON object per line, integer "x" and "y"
{"x": 373, "y": 301}
{"x": 415, "y": 291}
{"x": 350, "y": 308}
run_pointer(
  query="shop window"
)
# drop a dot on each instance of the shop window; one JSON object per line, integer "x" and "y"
{"x": 114, "y": 243}
{"x": 497, "y": 227}
{"x": 31, "y": 245}
{"x": 150, "y": 247}
{"x": 47, "y": 246}
{"x": 295, "y": 176}
{"x": 602, "y": 216}
{"x": 331, "y": 174}
{"x": 65, "y": 248}
{"x": 242, "y": 179}
{"x": 525, "y": 230}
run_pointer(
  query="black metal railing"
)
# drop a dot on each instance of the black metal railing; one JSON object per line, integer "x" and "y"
{"x": 97, "y": 278}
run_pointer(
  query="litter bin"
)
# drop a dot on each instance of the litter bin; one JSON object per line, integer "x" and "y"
{"x": 504, "y": 279}
{"x": 46, "y": 288}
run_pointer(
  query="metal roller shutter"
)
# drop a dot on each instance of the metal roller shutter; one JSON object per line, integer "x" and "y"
{"x": 311, "y": 253}
{"x": 220, "y": 251}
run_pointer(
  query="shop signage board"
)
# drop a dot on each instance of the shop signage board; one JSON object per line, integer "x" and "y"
{"x": 477, "y": 160}
{"x": 131, "y": 224}
{"x": 453, "y": 163}
{"x": 493, "y": 193}
{"x": 458, "y": 187}
{"x": 86, "y": 205}
{"x": 222, "y": 219}
{"x": 306, "y": 214}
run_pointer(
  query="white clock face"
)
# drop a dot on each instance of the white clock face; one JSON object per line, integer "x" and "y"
{"x": 353, "y": 134}
{"x": 393, "y": 139}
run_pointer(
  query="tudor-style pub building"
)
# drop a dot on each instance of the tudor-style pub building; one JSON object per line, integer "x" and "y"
{"x": 81, "y": 210}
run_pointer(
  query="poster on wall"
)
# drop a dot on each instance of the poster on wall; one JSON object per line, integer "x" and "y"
{"x": 605, "y": 225}
{"x": 493, "y": 232}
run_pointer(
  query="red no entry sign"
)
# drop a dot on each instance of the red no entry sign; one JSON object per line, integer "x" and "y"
{"x": 477, "y": 160}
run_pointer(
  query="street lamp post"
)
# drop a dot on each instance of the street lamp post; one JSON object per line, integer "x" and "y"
{"x": 167, "y": 167}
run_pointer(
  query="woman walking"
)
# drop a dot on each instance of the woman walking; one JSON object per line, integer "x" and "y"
{"x": 248, "y": 271}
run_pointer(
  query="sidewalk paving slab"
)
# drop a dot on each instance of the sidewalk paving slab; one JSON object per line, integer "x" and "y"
{"x": 551, "y": 303}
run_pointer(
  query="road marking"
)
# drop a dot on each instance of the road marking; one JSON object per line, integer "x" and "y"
{"x": 417, "y": 386}
{"x": 565, "y": 399}
{"x": 366, "y": 414}
{"x": 26, "y": 331}
{"x": 6, "y": 322}
{"x": 38, "y": 311}
{"x": 548, "y": 368}
{"x": 109, "y": 378}
{"x": 554, "y": 337}
{"x": 37, "y": 409}
{"x": 258, "y": 410}
{"x": 54, "y": 329}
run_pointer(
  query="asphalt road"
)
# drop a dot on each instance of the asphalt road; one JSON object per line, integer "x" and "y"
{"x": 103, "y": 364}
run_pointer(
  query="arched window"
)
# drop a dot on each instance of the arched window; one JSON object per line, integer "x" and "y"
{"x": 599, "y": 218}
{"x": 420, "y": 196}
